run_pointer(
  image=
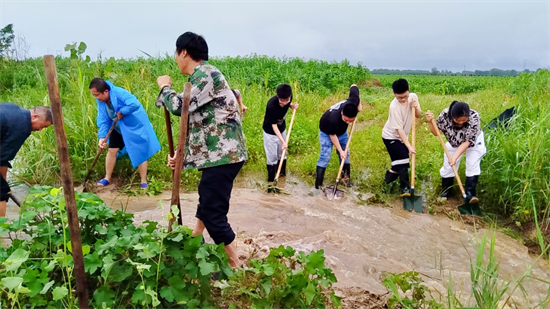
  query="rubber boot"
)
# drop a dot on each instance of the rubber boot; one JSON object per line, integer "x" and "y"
{"x": 471, "y": 184}
{"x": 404, "y": 182}
{"x": 320, "y": 176}
{"x": 447, "y": 187}
{"x": 390, "y": 177}
{"x": 283, "y": 168}
{"x": 271, "y": 171}
{"x": 346, "y": 175}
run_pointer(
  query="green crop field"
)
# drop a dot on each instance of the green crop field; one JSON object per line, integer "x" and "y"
{"x": 141, "y": 267}
{"x": 514, "y": 178}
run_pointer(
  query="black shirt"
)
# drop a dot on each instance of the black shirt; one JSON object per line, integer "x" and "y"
{"x": 15, "y": 127}
{"x": 331, "y": 122}
{"x": 275, "y": 114}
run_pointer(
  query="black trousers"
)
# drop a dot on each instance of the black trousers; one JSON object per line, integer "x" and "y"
{"x": 214, "y": 193}
{"x": 4, "y": 189}
{"x": 399, "y": 154}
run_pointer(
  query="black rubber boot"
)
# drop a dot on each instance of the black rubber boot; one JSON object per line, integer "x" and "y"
{"x": 447, "y": 187}
{"x": 390, "y": 177}
{"x": 320, "y": 176}
{"x": 283, "y": 168}
{"x": 404, "y": 182}
{"x": 346, "y": 174}
{"x": 471, "y": 184}
{"x": 271, "y": 171}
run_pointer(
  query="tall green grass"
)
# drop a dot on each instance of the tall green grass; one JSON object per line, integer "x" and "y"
{"x": 514, "y": 170}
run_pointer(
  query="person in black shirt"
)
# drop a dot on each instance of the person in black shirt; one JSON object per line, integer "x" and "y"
{"x": 333, "y": 131}
{"x": 274, "y": 128}
{"x": 16, "y": 125}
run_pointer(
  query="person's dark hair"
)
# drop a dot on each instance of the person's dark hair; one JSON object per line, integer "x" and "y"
{"x": 459, "y": 109}
{"x": 350, "y": 110}
{"x": 400, "y": 86}
{"x": 99, "y": 84}
{"x": 194, "y": 44}
{"x": 44, "y": 113}
{"x": 284, "y": 91}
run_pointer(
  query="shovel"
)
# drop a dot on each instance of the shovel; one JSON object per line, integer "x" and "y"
{"x": 99, "y": 151}
{"x": 273, "y": 188}
{"x": 413, "y": 202}
{"x": 332, "y": 191}
{"x": 464, "y": 209}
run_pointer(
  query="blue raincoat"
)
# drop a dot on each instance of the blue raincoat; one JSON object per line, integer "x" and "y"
{"x": 137, "y": 132}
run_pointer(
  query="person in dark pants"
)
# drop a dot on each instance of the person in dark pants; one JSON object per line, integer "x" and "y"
{"x": 215, "y": 140}
{"x": 333, "y": 128}
{"x": 395, "y": 133}
{"x": 16, "y": 125}
{"x": 274, "y": 129}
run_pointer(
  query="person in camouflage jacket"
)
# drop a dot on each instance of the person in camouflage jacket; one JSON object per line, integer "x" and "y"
{"x": 215, "y": 141}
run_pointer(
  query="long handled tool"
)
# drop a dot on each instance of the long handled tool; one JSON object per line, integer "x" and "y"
{"x": 175, "y": 200}
{"x": 99, "y": 151}
{"x": 464, "y": 209}
{"x": 274, "y": 188}
{"x": 180, "y": 152}
{"x": 413, "y": 202}
{"x": 332, "y": 191}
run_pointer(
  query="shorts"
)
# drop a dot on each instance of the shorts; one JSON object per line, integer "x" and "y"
{"x": 115, "y": 140}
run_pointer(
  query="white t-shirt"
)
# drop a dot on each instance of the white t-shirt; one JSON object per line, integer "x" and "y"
{"x": 400, "y": 117}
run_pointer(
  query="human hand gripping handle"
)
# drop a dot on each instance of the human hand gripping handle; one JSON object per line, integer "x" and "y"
{"x": 447, "y": 153}
{"x": 285, "y": 144}
{"x": 345, "y": 152}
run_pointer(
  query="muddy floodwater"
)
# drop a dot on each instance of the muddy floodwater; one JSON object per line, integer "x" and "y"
{"x": 360, "y": 242}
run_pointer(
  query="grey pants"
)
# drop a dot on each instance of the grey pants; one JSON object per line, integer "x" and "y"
{"x": 273, "y": 147}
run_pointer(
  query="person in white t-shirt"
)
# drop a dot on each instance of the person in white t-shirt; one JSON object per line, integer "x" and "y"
{"x": 396, "y": 132}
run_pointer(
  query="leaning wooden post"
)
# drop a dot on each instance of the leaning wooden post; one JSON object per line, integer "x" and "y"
{"x": 180, "y": 151}
{"x": 66, "y": 176}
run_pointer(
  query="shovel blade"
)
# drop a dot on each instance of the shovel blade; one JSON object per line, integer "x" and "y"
{"x": 413, "y": 202}
{"x": 332, "y": 192}
{"x": 470, "y": 209}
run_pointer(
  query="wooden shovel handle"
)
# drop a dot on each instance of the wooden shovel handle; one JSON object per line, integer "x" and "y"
{"x": 448, "y": 157}
{"x": 413, "y": 143}
{"x": 180, "y": 152}
{"x": 345, "y": 151}
{"x": 99, "y": 151}
{"x": 287, "y": 139}
{"x": 169, "y": 131}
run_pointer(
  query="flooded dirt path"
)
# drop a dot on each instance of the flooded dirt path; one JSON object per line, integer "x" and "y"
{"x": 360, "y": 242}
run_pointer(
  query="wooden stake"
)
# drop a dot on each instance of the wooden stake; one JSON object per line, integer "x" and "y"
{"x": 67, "y": 178}
{"x": 180, "y": 152}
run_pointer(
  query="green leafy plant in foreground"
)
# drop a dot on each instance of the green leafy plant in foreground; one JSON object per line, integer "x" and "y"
{"x": 405, "y": 284}
{"x": 135, "y": 266}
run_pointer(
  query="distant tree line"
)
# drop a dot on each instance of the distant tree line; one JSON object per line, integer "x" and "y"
{"x": 435, "y": 71}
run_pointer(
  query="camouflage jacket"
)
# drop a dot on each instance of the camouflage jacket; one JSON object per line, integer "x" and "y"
{"x": 214, "y": 132}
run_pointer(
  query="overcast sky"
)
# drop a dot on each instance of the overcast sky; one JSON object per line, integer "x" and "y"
{"x": 450, "y": 35}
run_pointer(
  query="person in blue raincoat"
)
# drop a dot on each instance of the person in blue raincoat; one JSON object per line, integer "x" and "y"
{"x": 133, "y": 129}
